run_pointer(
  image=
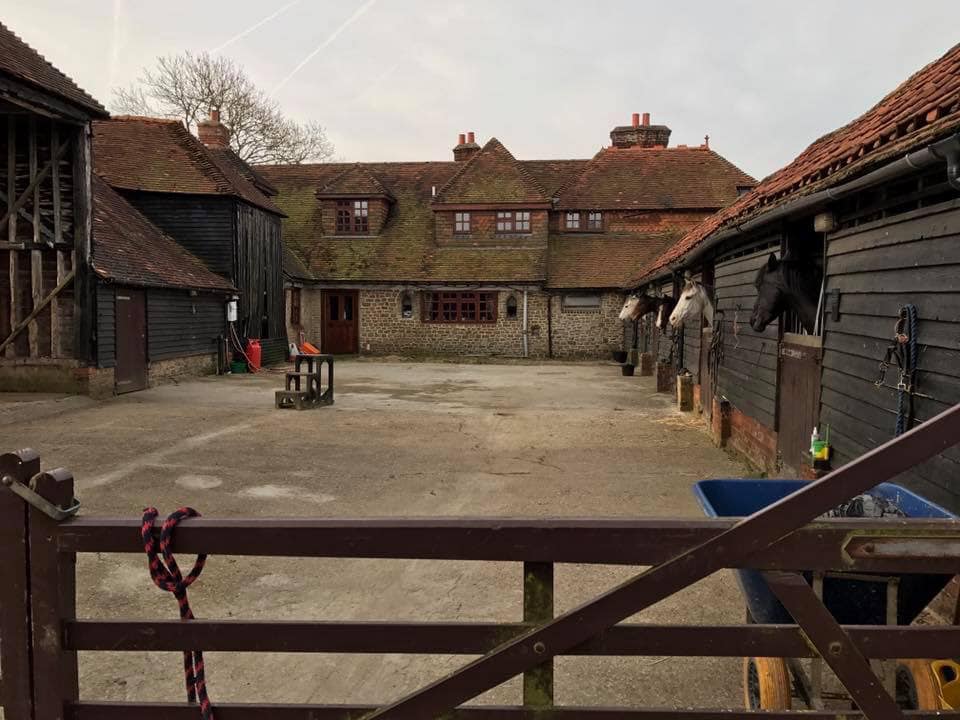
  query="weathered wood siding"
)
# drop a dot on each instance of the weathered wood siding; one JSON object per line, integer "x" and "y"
{"x": 260, "y": 273}
{"x": 748, "y": 374}
{"x": 179, "y": 325}
{"x": 202, "y": 224}
{"x": 106, "y": 326}
{"x": 692, "y": 337}
{"x": 876, "y": 268}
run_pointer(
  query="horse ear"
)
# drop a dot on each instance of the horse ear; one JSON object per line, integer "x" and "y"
{"x": 772, "y": 262}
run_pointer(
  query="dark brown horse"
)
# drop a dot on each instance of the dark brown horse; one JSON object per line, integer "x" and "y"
{"x": 786, "y": 284}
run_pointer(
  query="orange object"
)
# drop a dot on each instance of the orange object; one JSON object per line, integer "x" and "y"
{"x": 254, "y": 354}
{"x": 308, "y": 349}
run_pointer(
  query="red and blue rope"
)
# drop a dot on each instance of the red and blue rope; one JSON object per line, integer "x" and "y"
{"x": 167, "y": 576}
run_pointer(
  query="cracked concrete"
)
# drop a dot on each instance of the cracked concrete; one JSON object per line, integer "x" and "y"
{"x": 415, "y": 439}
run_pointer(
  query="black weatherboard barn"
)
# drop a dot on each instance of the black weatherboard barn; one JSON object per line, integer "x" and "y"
{"x": 869, "y": 218}
{"x": 210, "y": 202}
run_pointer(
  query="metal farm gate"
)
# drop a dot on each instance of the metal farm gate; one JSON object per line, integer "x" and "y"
{"x": 42, "y": 635}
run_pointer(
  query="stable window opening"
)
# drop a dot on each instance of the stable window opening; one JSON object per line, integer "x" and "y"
{"x": 512, "y": 307}
{"x": 295, "y": 306}
{"x": 580, "y": 303}
{"x": 406, "y": 305}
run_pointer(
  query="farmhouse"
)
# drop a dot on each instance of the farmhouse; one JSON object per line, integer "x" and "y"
{"x": 488, "y": 254}
{"x": 867, "y": 218}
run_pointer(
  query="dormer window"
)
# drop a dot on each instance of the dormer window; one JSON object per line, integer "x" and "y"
{"x": 582, "y": 221}
{"x": 573, "y": 221}
{"x": 353, "y": 216}
{"x": 461, "y": 222}
{"x": 595, "y": 221}
{"x": 513, "y": 222}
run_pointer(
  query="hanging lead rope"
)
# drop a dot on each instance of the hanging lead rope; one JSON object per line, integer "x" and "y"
{"x": 905, "y": 353}
{"x": 167, "y": 576}
{"x": 715, "y": 357}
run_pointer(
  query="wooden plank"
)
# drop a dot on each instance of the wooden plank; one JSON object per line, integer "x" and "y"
{"x": 932, "y": 359}
{"x": 55, "y": 181}
{"x": 11, "y": 215}
{"x": 917, "y": 280}
{"x": 932, "y": 305}
{"x": 84, "y": 295}
{"x": 56, "y": 329}
{"x": 14, "y": 271}
{"x": 933, "y": 221}
{"x": 8, "y": 342}
{"x": 11, "y": 178}
{"x": 44, "y": 230}
{"x": 32, "y": 164}
{"x": 36, "y": 259}
{"x": 36, "y": 286}
{"x": 931, "y": 332}
{"x": 902, "y": 256}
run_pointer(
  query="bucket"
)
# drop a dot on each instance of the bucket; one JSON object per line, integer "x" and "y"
{"x": 947, "y": 673}
{"x": 620, "y": 356}
{"x": 627, "y": 370}
{"x": 238, "y": 366}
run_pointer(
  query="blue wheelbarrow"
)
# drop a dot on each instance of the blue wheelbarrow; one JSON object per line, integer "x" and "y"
{"x": 853, "y": 599}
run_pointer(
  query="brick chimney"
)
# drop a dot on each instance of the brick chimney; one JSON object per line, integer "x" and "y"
{"x": 212, "y": 132}
{"x": 466, "y": 147}
{"x": 640, "y": 133}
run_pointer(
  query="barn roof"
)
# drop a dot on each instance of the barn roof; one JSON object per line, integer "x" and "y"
{"x": 601, "y": 261}
{"x": 924, "y": 108}
{"x": 27, "y": 65}
{"x": 493, "y": 175}
{"x": 129, "y": 249}
{"x": 160, "y": 155}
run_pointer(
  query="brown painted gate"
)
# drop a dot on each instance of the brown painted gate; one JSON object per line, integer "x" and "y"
{"x": 131, "y": 371}
{"x": 799, "y": 397}
{"x": 340, "y": 322}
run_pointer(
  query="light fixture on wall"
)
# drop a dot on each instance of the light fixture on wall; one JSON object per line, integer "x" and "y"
{"x": 825, "y": 222}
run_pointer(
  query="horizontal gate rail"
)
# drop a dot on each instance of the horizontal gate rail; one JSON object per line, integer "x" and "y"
{"x": 158, "y": 711}
{"x": 818, "y": 546}
{"x": 441, "y": 638}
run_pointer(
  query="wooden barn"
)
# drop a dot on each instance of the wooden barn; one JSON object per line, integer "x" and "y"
{"x": 208, "y": 200}
{"x": 46, "y": 334}
{"x": 862, "y": 230}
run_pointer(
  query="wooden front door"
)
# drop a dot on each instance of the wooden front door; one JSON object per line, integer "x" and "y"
{"x": 131, "y": 339}
{"x": 799, "y": 396}
{"x": 340, "y": 322}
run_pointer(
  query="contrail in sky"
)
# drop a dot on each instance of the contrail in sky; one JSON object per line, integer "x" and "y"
{"x": 333, "y": 36}
{"x": 250, "y": 29}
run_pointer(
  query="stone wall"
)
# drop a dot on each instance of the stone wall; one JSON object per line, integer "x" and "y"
{"x": 164, "y": 371}
{"x": 587, "y": 333}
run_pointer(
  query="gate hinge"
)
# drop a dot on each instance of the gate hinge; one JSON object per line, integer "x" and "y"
{"x": 30, "y": 496}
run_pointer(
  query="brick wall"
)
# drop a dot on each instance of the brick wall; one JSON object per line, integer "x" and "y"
{"x": 754, "y": 441}
{"x": 587, "y": 333}
{"x": 164, "y": 371}
{"x": 483, "y": 229}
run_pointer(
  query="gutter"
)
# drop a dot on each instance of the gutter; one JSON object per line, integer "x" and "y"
{"x": 946, "y": 150}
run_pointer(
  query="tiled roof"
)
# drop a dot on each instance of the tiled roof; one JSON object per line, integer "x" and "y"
{"x": 601, "y": 261}
{"x": 924, "y": 108}
{"x": 248, "y": 172}
{"x": 130, "y": 250}
{"x": 356, "y": 181}
{"x": 26, "y": 64}
{"x": 638, "y": 178}
{"x": 553, "y": 174}
{"x": 492, "y": 175}
{"x": 406, "y": 249}
{"x": 158, "y": 155}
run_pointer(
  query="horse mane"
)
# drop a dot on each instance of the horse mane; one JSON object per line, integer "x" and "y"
{"x": 796, "y": 274}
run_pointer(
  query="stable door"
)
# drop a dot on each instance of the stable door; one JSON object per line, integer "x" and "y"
{"x": 130, "y": 373}
{"x": 340, "y": 322}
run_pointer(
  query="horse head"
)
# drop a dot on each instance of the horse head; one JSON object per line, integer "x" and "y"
{"x": 693, "y": 302}
{"x": 636, "y": 306}
{"x": 782, "y": 285}
{"x": 665, "y": 306}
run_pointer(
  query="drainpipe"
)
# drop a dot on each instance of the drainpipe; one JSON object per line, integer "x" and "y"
{"x": 526, "y": 348}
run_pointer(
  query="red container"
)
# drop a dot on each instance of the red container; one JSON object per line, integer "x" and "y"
{"x": 253, "y": 354}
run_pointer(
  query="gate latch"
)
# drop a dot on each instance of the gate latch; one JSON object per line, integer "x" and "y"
{"x": 38, "y": 501}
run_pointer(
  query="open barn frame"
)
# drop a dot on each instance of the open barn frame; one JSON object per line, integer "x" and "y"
{"x": 46, "y": 293}
{"x": 42, "y": 634}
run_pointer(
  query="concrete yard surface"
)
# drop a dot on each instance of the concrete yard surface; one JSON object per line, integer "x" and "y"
{"x": 403, "y": 439}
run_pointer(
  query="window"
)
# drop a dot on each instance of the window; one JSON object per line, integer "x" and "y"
{"x": 581, "y": 303}
{"x": 353, "y": 216}
{"x": 508, "y": 222}
{"x": 406, "y": 306}
{"x": 573, "y": 221}
{"x": 461, "y": 222}
{"x": 295, "y": 306}
{"x": 460, "y": 307}
{"x": 512, "y": 307}
{"x": 595, "y": 220}
{"x": 582, "y": 221}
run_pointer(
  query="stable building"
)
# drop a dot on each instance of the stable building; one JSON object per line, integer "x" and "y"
{"x": 487, "y": 254}
{"x": 869, "y": 217}
{"x": 198, "y": 192}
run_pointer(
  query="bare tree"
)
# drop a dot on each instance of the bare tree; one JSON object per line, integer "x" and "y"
{"x": 188, "y": 86}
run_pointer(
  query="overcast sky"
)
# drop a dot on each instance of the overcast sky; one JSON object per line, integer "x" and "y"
{"x": 398, "y": 79}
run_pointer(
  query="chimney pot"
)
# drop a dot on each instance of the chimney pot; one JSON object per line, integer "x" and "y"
{"x": 646, "y": 118}
{"x": 212, "y": 132}
{"x": 471, "y": 137}
{"x": 461, "y": 139}
{"x": 636, "y": 120}
{"x": 214, "y": 116}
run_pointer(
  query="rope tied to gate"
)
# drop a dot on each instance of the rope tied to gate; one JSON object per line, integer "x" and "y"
{"x": 905, "y": 353}
{"x": 166, "y": 575}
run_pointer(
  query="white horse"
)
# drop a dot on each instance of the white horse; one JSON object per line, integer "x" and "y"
{"x": 694, "y": 302}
